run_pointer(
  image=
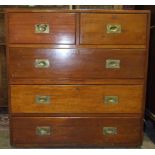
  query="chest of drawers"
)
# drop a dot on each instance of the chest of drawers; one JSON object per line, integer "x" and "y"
{"x": 76, "y": 78}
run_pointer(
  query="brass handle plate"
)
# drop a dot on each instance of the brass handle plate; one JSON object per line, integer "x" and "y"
{"x": 111, "y": 63}
{"x": 42, "y": 99}
{"x": 42, "y": 28}
{"x": 42, "y": 63}
{"x": 114, "y": 28}
{"x": 43, "y": 130}
{"x": 111, "y": 100}
{"x": 109, "y": 130}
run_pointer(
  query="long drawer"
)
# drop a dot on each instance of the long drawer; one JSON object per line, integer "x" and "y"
{"x": 113, "y": 29}
{"x": 71, "y": 64}
{"x": 76, "y": 131}
{"x": 53, "y": 28}
{"x": 76, "y": 98}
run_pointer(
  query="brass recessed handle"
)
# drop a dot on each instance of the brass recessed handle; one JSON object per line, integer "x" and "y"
{"x": 42, "y": 63}
{"x": 109, "y": 130}
{"x": 43, "y": 130}
{"x": 114, "y": 28}
{"x": 42, "y": 28}
{"x": 112, "y": 63}
{"x": 42, "y": 99}
{"x": 111, "y": 100}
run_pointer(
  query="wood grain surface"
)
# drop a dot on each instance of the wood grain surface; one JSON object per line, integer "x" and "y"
{"x": 94, "y": 29}
{"x": 23, "y": 30}
{"x": 76, "y": 99}
{"x": 76, "y": 131}
{"x": 77, "y": 79}
{"x": 74, "y": 65}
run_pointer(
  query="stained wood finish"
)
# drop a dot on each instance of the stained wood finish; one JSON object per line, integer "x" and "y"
{"x": 76, "y": 78}
{"x": 32, "y": 10}
{"x": 79, "y": 46}
{"x": 3, "y": 84}
{"x": 2, "y": 34}
{"x": 3, "y": 81}
{"x": 23, "y": 31}
{"x": 76, "y": 131}
{"x": 79, "y": 82}
{"x": 76, "y": 99}
{"x": 73, "y": 64}
{"x": 93, "y": 28}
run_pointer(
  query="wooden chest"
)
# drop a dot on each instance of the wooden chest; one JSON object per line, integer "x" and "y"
{"x": 77, "y": 78}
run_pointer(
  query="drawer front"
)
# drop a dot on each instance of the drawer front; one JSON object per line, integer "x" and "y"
{"x": 111, "y": 29}
{"x": 55, "y": 28}
{"x": 71, "y": 64}
{"x": 86, "y": 131}
{"x": 76, "y": 99}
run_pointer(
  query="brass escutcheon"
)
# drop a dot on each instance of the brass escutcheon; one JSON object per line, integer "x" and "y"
{"x": 42, "y": 99}
{"x": 111, "y": 99}
{"x": 42, "y": 28}
{"x": 114, "y": 28}
{"x": 109, "y": 130}
{"x": 112, "y": 63}
{"x": 42, "y": 63}
{"x": 43, "y": 130}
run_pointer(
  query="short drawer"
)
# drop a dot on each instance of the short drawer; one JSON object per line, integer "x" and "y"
{"x": 76, "y": 99}
{"x": 53, "y": 28}
{"x": 72, "y": 65}
{"x": 76, "y": 131}
{"x": 111, "y": 29}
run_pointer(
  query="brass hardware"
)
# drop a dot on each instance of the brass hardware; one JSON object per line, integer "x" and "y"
{"x": 111, "y": 63}
{"x": 109, "y": 130}
{"x": 43, "y": 131}
{"x": 114, "y": 28}
{"x": 42, "y": 63}
{"x": 111, "y": 99}
{"x": 42, "y": 28}
{"x": 43, "y": 99}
